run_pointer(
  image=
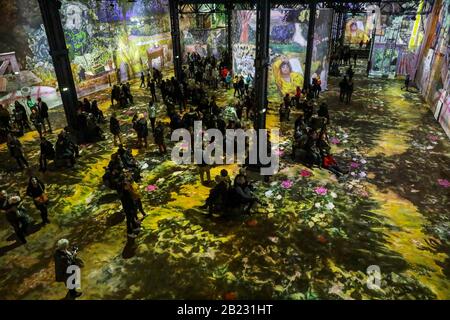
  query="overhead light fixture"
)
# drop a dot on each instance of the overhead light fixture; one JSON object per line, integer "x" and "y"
{"x": 65, "y": 89}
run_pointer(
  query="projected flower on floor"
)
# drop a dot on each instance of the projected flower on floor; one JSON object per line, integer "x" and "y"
{"x": 335, "y": 140}
{"x": 321, "y": 191}
{"x": 444, "y": 183}
{"x": 151, "y": 188}
{"x": 287, "y": 184}
{"x": 305, "y": 173}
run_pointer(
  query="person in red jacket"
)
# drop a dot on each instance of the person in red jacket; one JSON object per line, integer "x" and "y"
{"x": 329, "y": 163}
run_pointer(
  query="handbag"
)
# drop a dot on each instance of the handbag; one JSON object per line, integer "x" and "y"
{"x": 42, "y": 199}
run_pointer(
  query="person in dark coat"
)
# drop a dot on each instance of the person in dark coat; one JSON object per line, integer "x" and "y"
{"x": 64, "y": 258}
{"x": 98, "y": 114}
{"x": 153, "y": 90}
{"x": 37, "y": 121}
{"x": 129, "y": 206}
{"x": 47, "y": 153}
{"x": 159, "y": 138}
{"x": 114, "y": 127}
{"x": 43, "y": 111}
{"x": 343, "y": 89}
{"x": 323, "y": 112}
{"x": 36, "y": 190}
{"x": 141, "y": 128}
{"x": 15, "y": 214}
{"x": 16, "y": 151}
{"x": 20, "y": 116}
{"x": 349, "y": 91}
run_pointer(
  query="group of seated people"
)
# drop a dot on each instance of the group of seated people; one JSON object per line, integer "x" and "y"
{"x": 231, "y": 200}
{"x": 89, "y": 117}
{"x": 311, "y": 144}
{"x": 64, "y": 152}
{"x": 122, "y": 95}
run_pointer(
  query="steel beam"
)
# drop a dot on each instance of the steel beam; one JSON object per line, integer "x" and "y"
{"x": 262, "y": 60}
{"x": 310, "y": 44}
{"x": 60, "y": 56}
{"x": 176, "y": 41}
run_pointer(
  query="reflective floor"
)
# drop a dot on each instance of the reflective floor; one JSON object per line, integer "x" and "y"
{"x": 315, "y": 240}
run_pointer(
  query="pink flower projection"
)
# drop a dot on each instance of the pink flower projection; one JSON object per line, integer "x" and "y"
{"x": 444, "y": 183}
{"x": 354, "y": 165}
{"x": 152, "y": 188}
{"x": 287, "y": 184}
{"x": 335, "y": 140}
{"x": 322, "y": 191}
{"x": 305, "y": 173}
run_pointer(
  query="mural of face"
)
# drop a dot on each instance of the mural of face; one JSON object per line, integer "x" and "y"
{"x": 285, "y": 69}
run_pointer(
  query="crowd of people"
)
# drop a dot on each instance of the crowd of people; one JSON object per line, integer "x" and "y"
{"x": 17, "y": 119}
{"x": 192, "y": 97}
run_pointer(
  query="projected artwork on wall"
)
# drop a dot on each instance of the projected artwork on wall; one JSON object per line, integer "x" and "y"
{"x": 114, "y": 41}
{"x": 108, "y": 41}
{"x": 355, "y": 30}
{"x": 322, "y": 30}
{"x": 288, "y": 34}
{"x": 244, "y": 30}
{"x": 206, "y": 36}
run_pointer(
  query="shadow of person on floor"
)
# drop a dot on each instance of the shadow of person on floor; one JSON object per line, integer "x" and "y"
{"x": 4, "y": 250}
{"x": 129, "y": 251}
{"x": 35, "y": 227}
{"x": 115, "y": 219}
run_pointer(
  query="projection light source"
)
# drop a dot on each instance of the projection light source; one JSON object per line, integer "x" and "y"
{"x": 65, "y": 89}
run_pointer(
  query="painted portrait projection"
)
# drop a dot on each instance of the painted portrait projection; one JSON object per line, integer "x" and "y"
{"x": 288, "y": 41}
{"x": 113, "y": 41}
{"x": 320, "y": 57}
{"x": 386, "y": 47}
{"x": 244, "y": 38}
{"x": 356, "y": 31}
{"x": 27, "y": 67}
{"x": 205, "y": 34}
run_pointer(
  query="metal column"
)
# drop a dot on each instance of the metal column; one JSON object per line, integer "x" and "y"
{"x": 262, "y": 60}
{"x": 60, "y": 57}
{"x": 229, "y": 7}
{"x": 310, "y": 45}
{"x": 175, "y": 29}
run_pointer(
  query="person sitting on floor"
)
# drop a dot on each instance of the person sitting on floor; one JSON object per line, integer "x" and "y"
{"x": 217, "y": 198}
{"x": 64, "y": 151}
{"x": 244, "y": 196}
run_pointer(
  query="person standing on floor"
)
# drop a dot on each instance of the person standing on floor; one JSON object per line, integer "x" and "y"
{"x": 65, "y": 258}
{"x": 159, "y": 138}
{"x": 37, "y": 121}
{"x": 36, "y": 190}
{"x": 407, "y": 80}
{"x": 15, "y": 214}
{"x": 142, "y": 131}
{"x": 349, "y": 91}
{"x": 43, "y": 111}
{"x": 16, "y": 151}
{"x": 343, "y": 89}
{"x": 142, "y": 80}
{"x": 152, "y": 114}
{"x": 21, "y": 116}
{"x": 130, "y": 209}
{"x": 114, "y": 128}
{"x": 47, "y": 153}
